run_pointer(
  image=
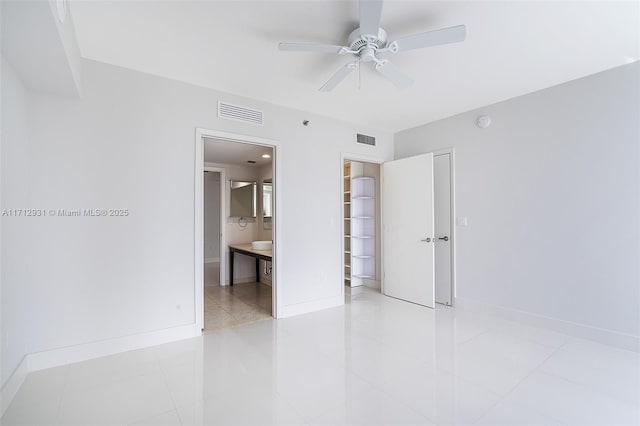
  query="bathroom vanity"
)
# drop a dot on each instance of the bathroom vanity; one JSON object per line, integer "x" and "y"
{"x": 248, "y": 250}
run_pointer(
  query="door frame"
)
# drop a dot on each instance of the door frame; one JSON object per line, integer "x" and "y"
{"x": 199, "y": 168}
{"x": 223, "y": 209}
{"x": 452, "y": 191}
{"x": 365, "y": 159}
{"x": 376, "y": 160}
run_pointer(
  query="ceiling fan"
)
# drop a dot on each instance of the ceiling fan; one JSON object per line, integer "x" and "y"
{"x": 367, "y": 41}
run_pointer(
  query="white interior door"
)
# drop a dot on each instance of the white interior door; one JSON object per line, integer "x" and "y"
{"x": 408, "y": 246}
{"x": 442, "y": 221}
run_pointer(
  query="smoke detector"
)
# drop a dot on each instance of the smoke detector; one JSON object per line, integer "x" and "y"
{"x": 483, "y": 121}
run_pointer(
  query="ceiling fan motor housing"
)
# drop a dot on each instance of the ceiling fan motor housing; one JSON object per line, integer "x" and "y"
{"x": 367, "y": 44}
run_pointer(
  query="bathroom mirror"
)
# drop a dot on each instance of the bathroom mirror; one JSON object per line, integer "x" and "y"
{"x": 267, "y": 203}
{"x": 267, "y": 198}
{"x": 243, "y": 199}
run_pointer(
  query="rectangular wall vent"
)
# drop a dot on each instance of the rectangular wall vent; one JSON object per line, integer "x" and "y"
{"x": 240, "y": 113}
{"x": 367, "y": 140}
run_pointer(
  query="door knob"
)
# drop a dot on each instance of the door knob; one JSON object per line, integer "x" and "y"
{"x": 426, "y": 240}
{"x": 445, "y": 238}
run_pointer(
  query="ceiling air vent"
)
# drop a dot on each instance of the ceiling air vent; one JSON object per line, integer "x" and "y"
{"x": 367, "y": 140}
{"x": 240, "y": 113}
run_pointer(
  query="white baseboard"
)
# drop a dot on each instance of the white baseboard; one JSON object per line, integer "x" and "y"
{"x": 68, "y": 355}
{"x": 212, "y": 260}
{"x": 306, "y": 307}
{"x": 356, "y": 282}
{"x": 12, "y": 385}
{"x": 265, "y": 279}
{"x": 375, "y": 284}
{"x": 367, "y": 282}
{"x": 600, "y": 335}
{"x": 241, "y": 280}
{"x": 358, "y": 290}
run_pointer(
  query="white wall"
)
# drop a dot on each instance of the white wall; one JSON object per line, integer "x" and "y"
{"x": 212, "y": 216}
{"x": 551, "y": 191}
{"x": 16, "y": 178}
{"x": 34, "y": 27}
{"x": 129, "y": 143}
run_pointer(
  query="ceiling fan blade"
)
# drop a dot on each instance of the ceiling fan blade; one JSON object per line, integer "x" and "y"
{"x": 393, "y": 74}
{"x": 431, "y": 38}
{"x": 339, "y": 76}
{"x": 310, "y": 47}
{"x": 370, "y": 12}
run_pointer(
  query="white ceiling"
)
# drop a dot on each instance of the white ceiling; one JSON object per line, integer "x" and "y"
{"x": 224, "y": 152}
{"x": 512, "y": 48}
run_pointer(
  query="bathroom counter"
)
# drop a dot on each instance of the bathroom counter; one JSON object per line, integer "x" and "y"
{"x": 245, "y": 249}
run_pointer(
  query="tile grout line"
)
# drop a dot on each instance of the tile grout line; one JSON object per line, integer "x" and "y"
{"x": 534, "y": 370}
{"x": 253, "y": 308}
{"x": 589, "y": 387}
{"x": 156, "y": 415}
{"x": 166, "y": 385}
{"x": 398, "y": 401}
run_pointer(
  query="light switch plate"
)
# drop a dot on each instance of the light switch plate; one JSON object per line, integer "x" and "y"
{"x": 462, "y": 221}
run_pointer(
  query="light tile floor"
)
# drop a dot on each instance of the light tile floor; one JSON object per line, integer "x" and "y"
{"x": 226, "y": 306}
{"x": 211, "y": 273}
{"x": 375, "y": 360}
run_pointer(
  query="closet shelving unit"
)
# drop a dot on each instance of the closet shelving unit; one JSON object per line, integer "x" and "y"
{"x": 360, "y": 224}
{"x": 347, "y": 222}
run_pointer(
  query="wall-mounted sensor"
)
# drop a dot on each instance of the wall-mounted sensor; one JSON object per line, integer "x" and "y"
{"x": 305, "y": 122}
{"x": 483, "y": 121}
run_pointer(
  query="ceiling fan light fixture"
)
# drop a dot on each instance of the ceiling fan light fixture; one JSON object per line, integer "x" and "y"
{"x": 368, "y": 54}
{"x": 369, "y": 40}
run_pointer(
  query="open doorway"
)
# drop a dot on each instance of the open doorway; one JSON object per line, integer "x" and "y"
{"x": 362, "y": 239}
{"x": 238, "y": 284}
{"x": 362, "y": 226}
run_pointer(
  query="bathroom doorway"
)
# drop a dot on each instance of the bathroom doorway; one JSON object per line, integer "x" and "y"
{"x": 235, "y": 242}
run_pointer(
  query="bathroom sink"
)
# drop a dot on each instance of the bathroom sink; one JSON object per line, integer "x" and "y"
{"x": 262, "y": 245}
